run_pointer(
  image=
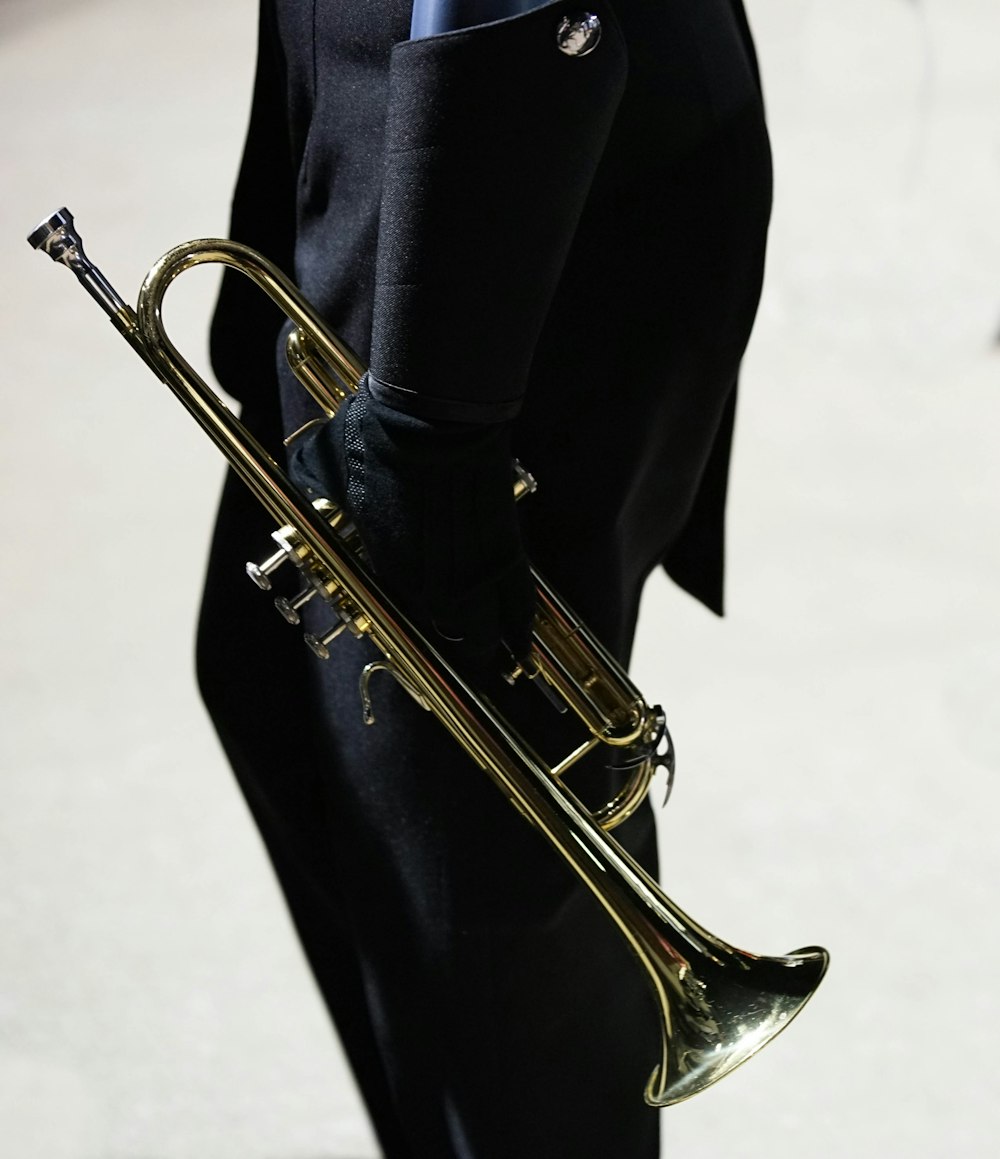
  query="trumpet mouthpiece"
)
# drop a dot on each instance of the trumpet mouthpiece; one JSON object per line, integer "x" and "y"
{"x": 57, "y": 236}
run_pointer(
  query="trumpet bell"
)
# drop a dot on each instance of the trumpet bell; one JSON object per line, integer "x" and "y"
{"x": 720, "y": 1013}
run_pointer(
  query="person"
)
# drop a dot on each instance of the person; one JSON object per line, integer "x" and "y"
{"x": 546, "y": 234}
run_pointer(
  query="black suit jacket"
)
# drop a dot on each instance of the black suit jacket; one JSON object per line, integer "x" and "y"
{"x": 575, "y": 243}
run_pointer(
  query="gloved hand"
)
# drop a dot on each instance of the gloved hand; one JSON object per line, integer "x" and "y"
{"x": 433, "y": 502}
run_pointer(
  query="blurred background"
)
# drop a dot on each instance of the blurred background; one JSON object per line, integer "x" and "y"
{"x": 838, "y": 732}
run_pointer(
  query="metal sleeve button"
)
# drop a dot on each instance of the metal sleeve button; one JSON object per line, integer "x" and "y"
{"x": 579, "y": 34}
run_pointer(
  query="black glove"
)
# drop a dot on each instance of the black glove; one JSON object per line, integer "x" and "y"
{"x": 433, "y": 502}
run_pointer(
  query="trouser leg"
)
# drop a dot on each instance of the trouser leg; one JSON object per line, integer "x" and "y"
{"x": 485, "y": 1004}
{"x": 252, "y": 673}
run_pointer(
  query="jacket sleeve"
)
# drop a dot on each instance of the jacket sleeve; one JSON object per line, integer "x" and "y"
{"x": 493, "y": 136}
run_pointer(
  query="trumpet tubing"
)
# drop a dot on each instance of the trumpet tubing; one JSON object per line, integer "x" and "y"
{"x": 716, "y": 1005}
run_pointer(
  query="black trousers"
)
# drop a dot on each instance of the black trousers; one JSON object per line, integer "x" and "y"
{"x": 485, "y": 1003}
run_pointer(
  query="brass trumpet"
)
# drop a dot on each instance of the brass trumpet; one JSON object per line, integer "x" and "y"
{"x": 717, "y": 1005}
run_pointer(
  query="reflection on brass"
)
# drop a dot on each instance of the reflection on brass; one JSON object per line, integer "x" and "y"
{"x": 716, "y": 1005}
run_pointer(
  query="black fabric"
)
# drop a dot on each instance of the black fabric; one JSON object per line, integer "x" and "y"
{"x": 487, "y": 1007}
{"x": 246, "y": 322}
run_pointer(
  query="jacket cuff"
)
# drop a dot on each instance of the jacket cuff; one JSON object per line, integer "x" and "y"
{"x": 452, "y": 410}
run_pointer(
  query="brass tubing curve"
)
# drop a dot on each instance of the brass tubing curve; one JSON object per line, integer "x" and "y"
{"x": 626, "y": 721}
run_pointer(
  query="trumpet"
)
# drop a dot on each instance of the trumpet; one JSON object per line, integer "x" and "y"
{"x": 716, "y": 1005}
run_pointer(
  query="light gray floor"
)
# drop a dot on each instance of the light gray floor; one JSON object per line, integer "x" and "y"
{"x": 838, "y": 732}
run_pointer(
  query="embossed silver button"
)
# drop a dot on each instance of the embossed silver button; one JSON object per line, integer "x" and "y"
{"x": 578, "y": 34}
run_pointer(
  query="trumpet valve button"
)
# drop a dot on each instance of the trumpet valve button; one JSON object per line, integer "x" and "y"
{"x": 320, "y": 645}
{"x": 289, "y": 606}
{"x": 260, "y": 572}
